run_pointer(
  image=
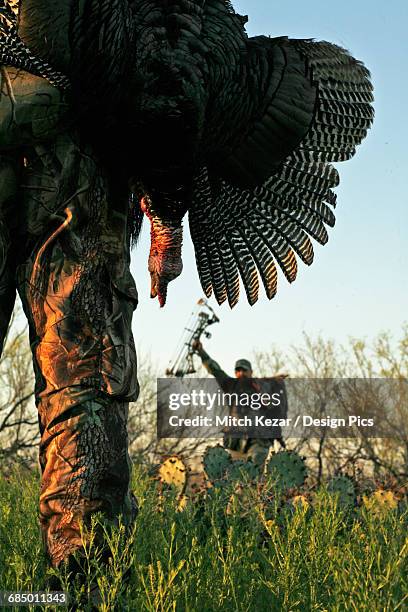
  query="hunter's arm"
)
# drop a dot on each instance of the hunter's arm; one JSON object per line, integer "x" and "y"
{"x": 213, "y": 368}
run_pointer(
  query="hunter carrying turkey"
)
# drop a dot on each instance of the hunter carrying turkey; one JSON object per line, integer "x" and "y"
{"x": 244, "y": 382}
{"x": 112, "y": 111}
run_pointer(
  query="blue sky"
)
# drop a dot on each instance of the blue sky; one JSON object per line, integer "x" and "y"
{"x": 357, "y": 285}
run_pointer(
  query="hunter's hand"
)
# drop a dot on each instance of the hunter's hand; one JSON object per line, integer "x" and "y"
{"x": 197, "y": 346}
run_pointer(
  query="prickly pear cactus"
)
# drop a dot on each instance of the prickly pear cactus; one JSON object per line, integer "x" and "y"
{"x": 288, "y": 468}
{"x": 344, "y": 489}
{"x": 173, "y": 472}
{"x": 242, "y": 471}
{"x": 380, "y": 502}
{"x": 216, "y": 461}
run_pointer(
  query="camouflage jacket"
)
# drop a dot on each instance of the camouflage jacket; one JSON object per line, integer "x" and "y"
{"x": 64, "y": 237}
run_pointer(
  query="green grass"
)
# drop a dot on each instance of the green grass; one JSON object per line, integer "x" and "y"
{"x": 202, "y": 559}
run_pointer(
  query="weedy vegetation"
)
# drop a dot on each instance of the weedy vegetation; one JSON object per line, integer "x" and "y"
{"x": 244, "y": 541}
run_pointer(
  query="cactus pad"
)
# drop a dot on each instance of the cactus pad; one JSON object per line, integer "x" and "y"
{"x": 343, "y": 487}
{"x": 216, "y": 461}
{"x": 288, "y": 468}
{"x": 173, "y": 472}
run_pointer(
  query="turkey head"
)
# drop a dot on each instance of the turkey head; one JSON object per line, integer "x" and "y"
{"x": 166, "y": 235}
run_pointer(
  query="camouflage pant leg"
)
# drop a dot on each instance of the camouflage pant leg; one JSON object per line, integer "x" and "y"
{"x": 85, "y": 375}
{"x": 258, "y": 450}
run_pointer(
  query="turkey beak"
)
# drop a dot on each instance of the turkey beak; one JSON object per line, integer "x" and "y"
{"x": 158, "y": 288}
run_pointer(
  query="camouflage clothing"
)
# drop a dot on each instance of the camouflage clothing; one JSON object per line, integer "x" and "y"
{"x": 64, "y": 246}
{"x": 229, "y": 384}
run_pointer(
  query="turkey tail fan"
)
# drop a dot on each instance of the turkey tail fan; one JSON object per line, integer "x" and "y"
{"x": 270, "y": 199}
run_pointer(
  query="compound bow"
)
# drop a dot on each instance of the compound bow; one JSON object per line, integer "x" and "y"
{"x": 201, "y": 318}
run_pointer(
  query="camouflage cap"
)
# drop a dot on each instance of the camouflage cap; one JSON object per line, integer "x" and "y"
{"x": 243, "y": 364}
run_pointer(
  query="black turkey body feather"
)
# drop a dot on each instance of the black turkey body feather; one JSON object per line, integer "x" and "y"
{"x": 239, "y": 132}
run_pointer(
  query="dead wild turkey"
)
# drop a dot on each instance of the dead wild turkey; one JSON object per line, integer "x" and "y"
{"x": 197, "y": 117}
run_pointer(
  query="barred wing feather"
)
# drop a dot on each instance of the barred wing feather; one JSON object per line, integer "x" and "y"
{"x": 15, "y": 53}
